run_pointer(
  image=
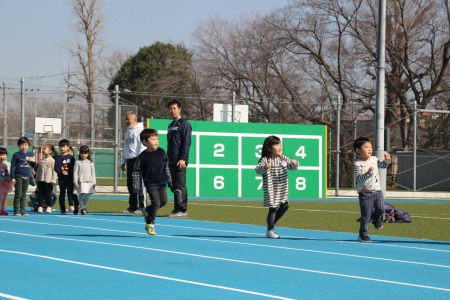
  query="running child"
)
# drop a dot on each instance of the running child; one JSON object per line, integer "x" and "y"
{"x": 64, "y": 165}
{"x": 20, "y": 172}
{"x": 273, "y": 167}
{"x": 46, "y": 178}
{"x": 369, "y": 189}
{"x": 84, "y": 178}
{"x": 152, "y": 167}
{"x": 6, "y": 185}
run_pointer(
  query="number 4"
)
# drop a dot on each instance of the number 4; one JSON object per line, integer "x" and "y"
{"x": 301, "y": 152}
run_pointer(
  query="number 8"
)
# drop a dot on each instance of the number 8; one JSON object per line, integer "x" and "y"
{"x": 300, "y": 183}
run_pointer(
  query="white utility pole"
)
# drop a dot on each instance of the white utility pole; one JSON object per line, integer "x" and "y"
{"x": 380, "y": 92}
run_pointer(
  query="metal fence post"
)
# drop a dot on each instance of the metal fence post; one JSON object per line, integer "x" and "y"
{"x": 116, "y": 136}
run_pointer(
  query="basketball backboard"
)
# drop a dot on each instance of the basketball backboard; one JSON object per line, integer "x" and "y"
{"x": 47, "y": 125}
{"x": 223, "y": 113}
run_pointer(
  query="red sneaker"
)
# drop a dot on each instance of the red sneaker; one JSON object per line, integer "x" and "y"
{"x": 3, "y": 212}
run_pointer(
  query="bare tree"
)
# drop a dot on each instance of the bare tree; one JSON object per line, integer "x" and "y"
{"x": 88, "y": 47}
{"x": 417, "y": 48}
{"x": 291, "y": 65}
{"x": 238, "y": 56}
{"x": 112, "y": 64}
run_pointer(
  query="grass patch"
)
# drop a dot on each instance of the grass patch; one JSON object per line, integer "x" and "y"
{"x": 430, "y": 221}
{"x": 108, "y": 181}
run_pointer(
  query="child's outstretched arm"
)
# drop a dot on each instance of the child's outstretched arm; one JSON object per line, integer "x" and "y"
{"x": 293, "y": 163}
{"x": 386, "y": 162}
{"x": 262, "y": 166}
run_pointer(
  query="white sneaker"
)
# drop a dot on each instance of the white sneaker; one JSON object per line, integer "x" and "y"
{"x": 71, "y": 208}
{"x": 271, "y": 234}
{"x": 180, "y": 215}
{"x": 40, "y": 210}
{"x": 49, "y": 210}
{"x": 138, "y": 211}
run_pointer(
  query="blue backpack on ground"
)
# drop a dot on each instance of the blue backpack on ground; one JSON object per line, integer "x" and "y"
{"x": 393, "y": 215}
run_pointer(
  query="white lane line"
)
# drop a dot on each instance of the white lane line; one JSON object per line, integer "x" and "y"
{"x": 285, "y": 236}
{"x": 315, "y": 251}
{"x": 11, "y": 297}
{"x": 356, "y": 243}
{"x": 308, "y": 210}
{"x": 238, "y": 261}
{"x": 255, "y": 245}
{"x": 146, "y": 274}
{"x": 250, "y": 244}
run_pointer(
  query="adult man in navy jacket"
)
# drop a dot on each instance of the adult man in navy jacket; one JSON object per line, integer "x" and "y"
{"x": 178, "y": 143}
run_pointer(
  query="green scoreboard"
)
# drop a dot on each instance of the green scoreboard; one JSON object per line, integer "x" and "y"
{"x": 223, "y": 157}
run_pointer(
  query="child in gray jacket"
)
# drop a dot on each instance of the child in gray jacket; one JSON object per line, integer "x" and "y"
{"x": 84, "y": 179}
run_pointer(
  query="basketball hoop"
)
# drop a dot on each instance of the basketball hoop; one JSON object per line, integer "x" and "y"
{"x": 49, "y": 134}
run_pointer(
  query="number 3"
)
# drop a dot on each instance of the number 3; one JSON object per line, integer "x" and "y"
{"x": 258, "y": 149}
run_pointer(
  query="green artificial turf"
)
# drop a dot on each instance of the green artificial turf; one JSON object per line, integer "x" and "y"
{"x": 105, "y": 181}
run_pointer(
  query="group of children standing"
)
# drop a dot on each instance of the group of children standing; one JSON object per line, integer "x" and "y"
{"x": 71, "y": 174}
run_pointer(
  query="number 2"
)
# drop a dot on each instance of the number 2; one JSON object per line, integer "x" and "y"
{"x": 218, "y": 150}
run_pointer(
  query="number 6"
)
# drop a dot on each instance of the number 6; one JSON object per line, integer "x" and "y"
{"x": 219, "y": 183}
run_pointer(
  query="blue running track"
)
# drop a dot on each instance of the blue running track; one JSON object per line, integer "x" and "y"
{"x": 108, "y": 256}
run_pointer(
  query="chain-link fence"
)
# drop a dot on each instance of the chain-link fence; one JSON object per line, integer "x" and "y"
{"x": 81, "y": 123}
{"x": 94, "y": 125}
{"x": 420, "y": 162}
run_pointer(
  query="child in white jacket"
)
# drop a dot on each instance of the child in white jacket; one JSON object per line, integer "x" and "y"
{"x": 46, "y": 178}
{"x": 84, "y": 179}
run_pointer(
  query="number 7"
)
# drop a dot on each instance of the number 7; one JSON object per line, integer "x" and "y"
{"x": 261, "y": 183}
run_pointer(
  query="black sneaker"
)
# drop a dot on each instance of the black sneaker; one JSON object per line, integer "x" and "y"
{"x": 75, "y": 211}
{"x": 364, "y": 239}
{"x": 378, "y": 224}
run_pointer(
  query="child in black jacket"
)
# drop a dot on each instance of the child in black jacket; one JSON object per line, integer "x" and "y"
{"x": 21, "y": 162}
{"x": 64, "y": 165}
{"x": 152, "y": 167}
